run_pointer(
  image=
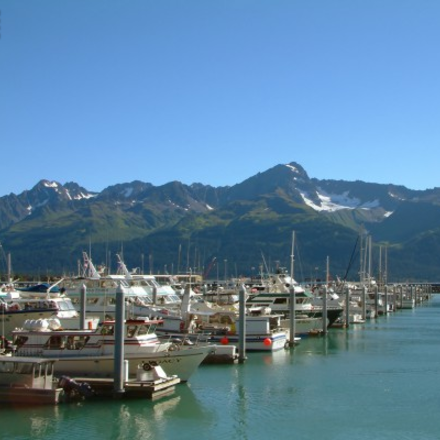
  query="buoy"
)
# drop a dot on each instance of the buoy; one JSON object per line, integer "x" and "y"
{"x": 267, "y": 342}
{"x": 224, "y": 341}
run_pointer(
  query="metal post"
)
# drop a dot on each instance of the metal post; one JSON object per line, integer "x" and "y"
{"x": 154, "y": 295}
{"x": 393, "y": 298}
{"x": 324, "y": 311}
{"x": 82, "y": 310}
{"x": 347, "y": 306}
{"x": 364, "y": 303}
{"x": 292, "y": 323}
{"x": 376, "y": 299}
{"x": 386, "y": 300}
{"x": 242, "y": 325}
{"x": 119, "y": 373}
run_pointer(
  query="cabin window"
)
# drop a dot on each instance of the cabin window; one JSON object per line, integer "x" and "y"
{"x": 76, "y": 342}
{"x": 6, "y": 367}
{"x": 131, "y": 330}
{"x": 37, "y": 370}
{"x": 56, "y": 343}
{"x": 107, "y": 330}
{"x": 280, "y": 301}
{"x": 20, "y": 341}
{"x": 66, "y": 306}
{"x": 23, "y": 368}
{"x": 143, "y": 330}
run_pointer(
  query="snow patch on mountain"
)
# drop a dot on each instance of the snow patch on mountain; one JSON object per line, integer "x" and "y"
{"x": 127, "y": 192}
{"x": 335, "y": 202}
{"x": 294, "y": 169}
{"x": 48, "y": 184}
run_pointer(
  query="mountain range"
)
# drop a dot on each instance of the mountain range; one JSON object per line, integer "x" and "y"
{"x": 227, "y": 231}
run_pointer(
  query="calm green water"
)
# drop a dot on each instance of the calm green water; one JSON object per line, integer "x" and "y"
{"x": 380, "y": 380}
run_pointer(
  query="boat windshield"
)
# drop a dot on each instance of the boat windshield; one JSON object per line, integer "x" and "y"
{"x": 145, "y": 329}
{"x": 66, "y": 305}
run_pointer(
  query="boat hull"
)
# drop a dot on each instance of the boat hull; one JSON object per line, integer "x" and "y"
{"x": 30, "y": 396}
{"x": 183, "y": 362}
{"x": 273, "y": 342}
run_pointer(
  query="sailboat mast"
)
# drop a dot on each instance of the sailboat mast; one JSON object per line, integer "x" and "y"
{"x": 292, "y": 256}
{"x": 9, "y": 269}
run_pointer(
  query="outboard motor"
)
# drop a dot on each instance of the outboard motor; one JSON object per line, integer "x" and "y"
{"x": 73, "y": 388}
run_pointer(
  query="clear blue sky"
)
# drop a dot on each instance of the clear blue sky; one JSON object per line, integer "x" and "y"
{"x": 101, "y": 92}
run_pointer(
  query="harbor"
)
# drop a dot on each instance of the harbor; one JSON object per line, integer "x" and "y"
{"x": 376, "y": 380}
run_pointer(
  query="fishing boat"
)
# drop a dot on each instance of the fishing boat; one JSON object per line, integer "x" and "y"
{"x": 90, "y": 353}
{"x": 16, "y": 310}
{"x": 28, "y": 381}
{"x": 276, "y": 296}
{"x": 144, "y": 296}
{"x": 262, "y": 333}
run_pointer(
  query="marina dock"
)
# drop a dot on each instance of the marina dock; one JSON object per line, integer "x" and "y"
{"x": 132, "y": 388}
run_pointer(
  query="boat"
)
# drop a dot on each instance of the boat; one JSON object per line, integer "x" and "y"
{"x": 37, "y": 289}
{"x": 275, "y": 295}
{"x": 144, "y": 296}
{"x": 305, "y": 325}
{"x": 14, "y": 311}
{"x": 90, "y": 353}
{"x": 407, "y": 302}
{"x": 28, "y": 381}
{"x": 263, "y": 333}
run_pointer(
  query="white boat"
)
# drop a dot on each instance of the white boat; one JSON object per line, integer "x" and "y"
{"x": 144, "y": 296}
{"x": 305, "y": 325}
{"x": 263, "y": 333}
{"x": 90, "y": 353}
{"x": 274, "y": 292}
{"x": 15, "y": 311}
{"x": 407, "y": 302}
{"x": 28, "y": 381}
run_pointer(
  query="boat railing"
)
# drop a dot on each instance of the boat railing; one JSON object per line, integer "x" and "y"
{"x": 185, "y": 340}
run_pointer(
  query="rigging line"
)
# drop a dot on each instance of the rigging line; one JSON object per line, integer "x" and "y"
{"x": 351, "y": 258}
{"x": 264, "y": 261}
{"x": 299, "y": 261}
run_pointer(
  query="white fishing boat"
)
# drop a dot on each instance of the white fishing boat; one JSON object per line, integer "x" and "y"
{"x": 263, "y": 333}
{"x": 90, "y": 353}
{"x": 277, "y": 298}
{"x": 14, "y": 311}
{"x": 28, "y": 381}
{"x": 144, "y": 296}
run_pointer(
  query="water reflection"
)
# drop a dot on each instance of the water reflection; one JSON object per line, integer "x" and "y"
{"x": 110, "y": 419}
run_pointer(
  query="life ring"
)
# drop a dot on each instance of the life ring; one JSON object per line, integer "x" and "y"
{"x": 182, "y": 326}
{"x": 146, "y": 366}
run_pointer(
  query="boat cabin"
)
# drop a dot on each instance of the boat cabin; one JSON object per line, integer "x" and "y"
{"x": 27, "y": 380}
